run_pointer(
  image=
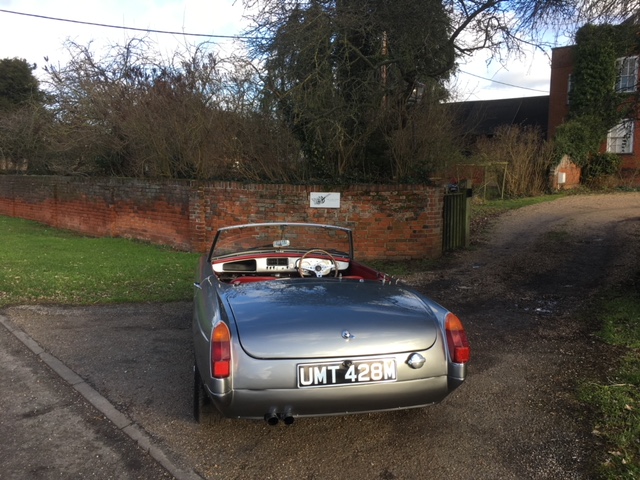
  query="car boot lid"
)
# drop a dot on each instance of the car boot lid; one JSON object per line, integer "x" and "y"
{"x": 321, "y": 318}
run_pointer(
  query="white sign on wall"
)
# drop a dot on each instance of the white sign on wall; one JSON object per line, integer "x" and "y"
{"x": 324, "y": 199}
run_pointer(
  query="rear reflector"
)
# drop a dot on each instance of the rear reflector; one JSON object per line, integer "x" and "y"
{"x": 457, "y": 341}
{"x": 220, "y": 351}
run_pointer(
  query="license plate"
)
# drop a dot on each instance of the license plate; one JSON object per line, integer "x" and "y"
{"x": 348, "y": 372}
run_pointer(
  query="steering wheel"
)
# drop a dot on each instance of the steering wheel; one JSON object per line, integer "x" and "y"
{"x": 318, "y": 266}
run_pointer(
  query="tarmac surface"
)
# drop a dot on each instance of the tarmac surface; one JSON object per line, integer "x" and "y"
{"x": 55, "y": 425}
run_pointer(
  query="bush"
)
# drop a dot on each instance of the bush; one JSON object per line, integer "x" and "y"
{"x": 601, "y": 164}
{"x": 577, "y": 138}
{"x": 527, "y": 156}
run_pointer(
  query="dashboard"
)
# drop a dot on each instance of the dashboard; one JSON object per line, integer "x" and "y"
{"x": 269, "y": 265}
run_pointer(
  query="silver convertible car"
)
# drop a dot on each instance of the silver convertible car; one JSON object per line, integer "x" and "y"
{"x": 288, "y": 324}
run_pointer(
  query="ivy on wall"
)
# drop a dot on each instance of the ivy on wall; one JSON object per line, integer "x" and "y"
{"x": 594, "y": 105}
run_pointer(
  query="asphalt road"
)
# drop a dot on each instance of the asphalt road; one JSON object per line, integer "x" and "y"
{"x": 49, "y": 430}
{"x": 519, "y": 295}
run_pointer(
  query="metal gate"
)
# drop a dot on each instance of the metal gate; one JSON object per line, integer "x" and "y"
{"x": 456, "y": 218}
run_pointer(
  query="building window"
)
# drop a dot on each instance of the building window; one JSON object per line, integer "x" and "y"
{"x": 627, "y": 70}
{"x": 620, "y": 138}
{"x": 569, "y": 87}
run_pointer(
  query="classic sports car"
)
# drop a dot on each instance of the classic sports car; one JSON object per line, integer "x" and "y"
{"x": 287, "y": 324}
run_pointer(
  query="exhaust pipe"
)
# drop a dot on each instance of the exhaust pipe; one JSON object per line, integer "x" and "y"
{"x": 271, "y": 418}
{"x": 288, "y": 420}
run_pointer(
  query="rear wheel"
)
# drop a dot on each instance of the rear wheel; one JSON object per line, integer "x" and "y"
{"x": 204, "y": 411}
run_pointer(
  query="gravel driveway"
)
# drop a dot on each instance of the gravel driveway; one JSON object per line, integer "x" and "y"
{"x": 519, "y": 292}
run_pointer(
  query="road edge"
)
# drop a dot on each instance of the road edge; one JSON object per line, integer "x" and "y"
{"x": 100, "y": 403}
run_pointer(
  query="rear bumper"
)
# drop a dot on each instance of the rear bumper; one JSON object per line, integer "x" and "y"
{"x": 301, "y": 402}
{"x": 457, "y": 374}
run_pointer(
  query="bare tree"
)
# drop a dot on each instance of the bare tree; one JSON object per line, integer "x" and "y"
{"x": 23, "y": 137}
{"x": 133, "y": 113}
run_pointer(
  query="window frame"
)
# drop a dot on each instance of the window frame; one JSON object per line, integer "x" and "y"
{"x": 627, "y": 74}
{"x": 620, "y": 139}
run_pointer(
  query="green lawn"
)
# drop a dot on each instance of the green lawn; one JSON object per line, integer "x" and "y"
{"x": 44, "y": 265}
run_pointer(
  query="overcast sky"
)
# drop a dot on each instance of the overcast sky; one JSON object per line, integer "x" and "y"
{"x": 33, "y": 38}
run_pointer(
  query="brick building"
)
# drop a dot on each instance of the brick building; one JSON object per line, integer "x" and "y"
{"x": 481, "y": 118}
{"x": 624, "y": 139}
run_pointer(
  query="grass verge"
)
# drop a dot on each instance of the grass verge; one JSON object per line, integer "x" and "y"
{"x": 617, "y": 401}
{"x": 44, "y": 265}
{"x": 496, "y": 207}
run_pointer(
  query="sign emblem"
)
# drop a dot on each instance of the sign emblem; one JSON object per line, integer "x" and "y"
{"x": 347, "y": 335}
{"x": 324, "y": 199}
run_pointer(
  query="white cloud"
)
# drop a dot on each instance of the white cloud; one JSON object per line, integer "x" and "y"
{"x": 34, "y": 38}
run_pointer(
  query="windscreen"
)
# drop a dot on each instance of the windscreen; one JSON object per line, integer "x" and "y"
{"x": 282, "y": 238}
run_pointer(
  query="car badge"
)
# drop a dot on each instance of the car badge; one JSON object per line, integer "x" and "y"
{"x": 416, "y": 360}
{"x": 347, "y": 335}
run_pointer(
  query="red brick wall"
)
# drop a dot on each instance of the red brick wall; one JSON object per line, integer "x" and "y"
{"x": 561, "y": 67}
{"x": 157, "y": 212}
{"x": 392, "y": 222}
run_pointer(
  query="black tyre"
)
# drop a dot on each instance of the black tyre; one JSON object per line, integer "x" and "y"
{"x": 204, "y": 411}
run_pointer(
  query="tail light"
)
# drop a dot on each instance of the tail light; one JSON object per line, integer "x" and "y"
{"x": 459, "y": 348}
{"x": 220, "y": 351}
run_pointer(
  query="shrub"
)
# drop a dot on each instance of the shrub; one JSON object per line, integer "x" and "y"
{"x": 601, "y": 167}
{"x": 526, "y": 155}
{"x": 578, "y": 138}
